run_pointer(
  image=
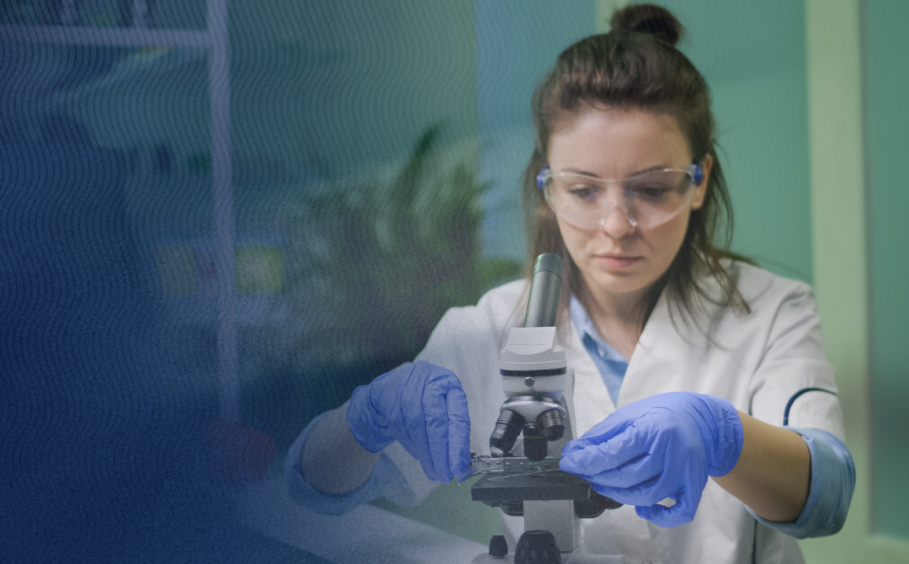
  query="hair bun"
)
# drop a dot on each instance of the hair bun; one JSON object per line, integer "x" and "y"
{"x": 648, "y": 18}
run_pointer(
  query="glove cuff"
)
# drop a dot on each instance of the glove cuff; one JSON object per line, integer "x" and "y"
{"x": 361, "y": 418}
{"x": 729, "y": 436}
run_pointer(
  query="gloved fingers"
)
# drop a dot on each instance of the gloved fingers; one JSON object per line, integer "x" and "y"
{"x": 407, "y": 415}
{"x": 437, "y": 434}
{"x": 447, "y": 425}
{"x": 417, "y": 442}
{"x": 604, "y": 431}
{"x": 362, "y": 418}
{"x": 647, "y": 492}
{"x": 436, "y": 423}
{"x": 632, "y": 444}
{"x": 632, "y": 474}
{"x": 682, "y": 512}
{"x": 458, "y": 432}
{"x": 595, "y": 465}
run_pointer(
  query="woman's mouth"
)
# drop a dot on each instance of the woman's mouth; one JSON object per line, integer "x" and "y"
{"x": 618, "y": 261}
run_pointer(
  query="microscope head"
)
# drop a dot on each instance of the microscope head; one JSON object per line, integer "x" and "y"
{"x": 534, "y": 370}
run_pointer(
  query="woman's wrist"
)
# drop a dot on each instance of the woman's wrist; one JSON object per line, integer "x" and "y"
{"x": 333, "y": 462}
{"x": 773, "y": 473}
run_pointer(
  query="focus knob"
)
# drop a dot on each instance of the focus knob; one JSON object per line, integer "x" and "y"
{"x": 537, "y": 547}
{"x": 498, "y": 548}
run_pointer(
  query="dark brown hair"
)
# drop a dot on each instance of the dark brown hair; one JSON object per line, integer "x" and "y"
{"x": 636, "y": 66}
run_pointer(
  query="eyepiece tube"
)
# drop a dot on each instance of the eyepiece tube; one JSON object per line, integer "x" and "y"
{"x": 545, "y": 287}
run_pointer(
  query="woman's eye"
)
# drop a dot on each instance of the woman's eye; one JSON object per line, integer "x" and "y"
{"x": 583, "y": 192}
{"x": 650, "y": 192}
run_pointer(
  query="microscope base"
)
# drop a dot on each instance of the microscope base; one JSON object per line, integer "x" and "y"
{"x": 487, "y": 559}
{"x": 555, "y": 517}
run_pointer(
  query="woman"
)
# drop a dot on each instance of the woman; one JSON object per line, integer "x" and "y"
{"x": 698, "y": 377}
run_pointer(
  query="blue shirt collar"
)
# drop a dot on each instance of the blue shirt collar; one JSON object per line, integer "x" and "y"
{"x": 587, "y": 330}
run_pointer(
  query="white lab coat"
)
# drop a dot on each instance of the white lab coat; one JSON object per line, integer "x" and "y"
{"x": 757, "y": 361}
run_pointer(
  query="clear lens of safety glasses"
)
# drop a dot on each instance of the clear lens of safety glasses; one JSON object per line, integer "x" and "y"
{"x": 647, "y": 199}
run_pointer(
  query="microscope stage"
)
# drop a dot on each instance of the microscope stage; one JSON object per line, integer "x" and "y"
{"x": 531, "y": 486}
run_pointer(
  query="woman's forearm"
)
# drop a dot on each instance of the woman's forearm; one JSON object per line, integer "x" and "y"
{"x": 333, "y": 461}
{"x": 773, "y": 473}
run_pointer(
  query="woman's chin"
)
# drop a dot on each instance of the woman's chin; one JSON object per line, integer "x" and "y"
{"x": 611, "y": 283}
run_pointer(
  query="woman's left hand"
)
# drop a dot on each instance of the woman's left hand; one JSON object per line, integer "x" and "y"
{"x": 664, "y": 446}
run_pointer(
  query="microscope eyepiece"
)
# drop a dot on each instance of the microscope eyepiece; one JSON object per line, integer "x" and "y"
{"x": 545, "y": 287}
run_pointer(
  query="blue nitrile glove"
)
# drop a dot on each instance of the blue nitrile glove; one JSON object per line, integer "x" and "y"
{"x": 423, "y": 407}
{"x": 664, "y": 446}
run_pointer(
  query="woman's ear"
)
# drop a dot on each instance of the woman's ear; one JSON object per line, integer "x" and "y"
{"x": 701, "y": 189}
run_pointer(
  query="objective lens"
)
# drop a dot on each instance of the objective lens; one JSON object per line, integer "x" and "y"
{"x": 552, "y": 424}
{"x": 535, "y": 446}
{"x": 506, "y": 431}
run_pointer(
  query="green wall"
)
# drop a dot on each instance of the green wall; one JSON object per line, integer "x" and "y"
{"x": 887, "y": 148}
{"x": 753, "y": 57}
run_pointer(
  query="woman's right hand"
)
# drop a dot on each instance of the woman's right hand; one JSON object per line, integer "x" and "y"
{"x": 423, "y": 407}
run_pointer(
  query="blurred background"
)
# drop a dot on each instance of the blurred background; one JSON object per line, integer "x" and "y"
{"x": 218, "y": 218}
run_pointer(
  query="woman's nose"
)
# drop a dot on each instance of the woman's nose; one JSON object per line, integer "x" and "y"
{"x": 617, "y": 223}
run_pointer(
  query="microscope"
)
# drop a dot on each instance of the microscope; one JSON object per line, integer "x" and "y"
{"x": 521, "y": 476}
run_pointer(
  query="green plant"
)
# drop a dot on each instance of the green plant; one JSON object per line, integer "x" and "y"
{"x": 372, "y": 267}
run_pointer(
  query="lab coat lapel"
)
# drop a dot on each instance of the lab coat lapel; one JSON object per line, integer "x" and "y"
{"x": 590, "y": 401}
{"x": 663, "y": 360}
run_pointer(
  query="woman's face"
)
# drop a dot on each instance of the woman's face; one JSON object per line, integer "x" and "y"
{"x": 618, "y": 259}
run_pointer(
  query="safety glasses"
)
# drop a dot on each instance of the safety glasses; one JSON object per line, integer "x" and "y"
{"x": 647, "y": 199}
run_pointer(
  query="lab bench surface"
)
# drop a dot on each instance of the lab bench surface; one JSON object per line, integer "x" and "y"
{"x": 365, "y": 534}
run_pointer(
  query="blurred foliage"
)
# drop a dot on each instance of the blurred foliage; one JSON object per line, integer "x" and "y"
{"x": 372, "y": 267}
